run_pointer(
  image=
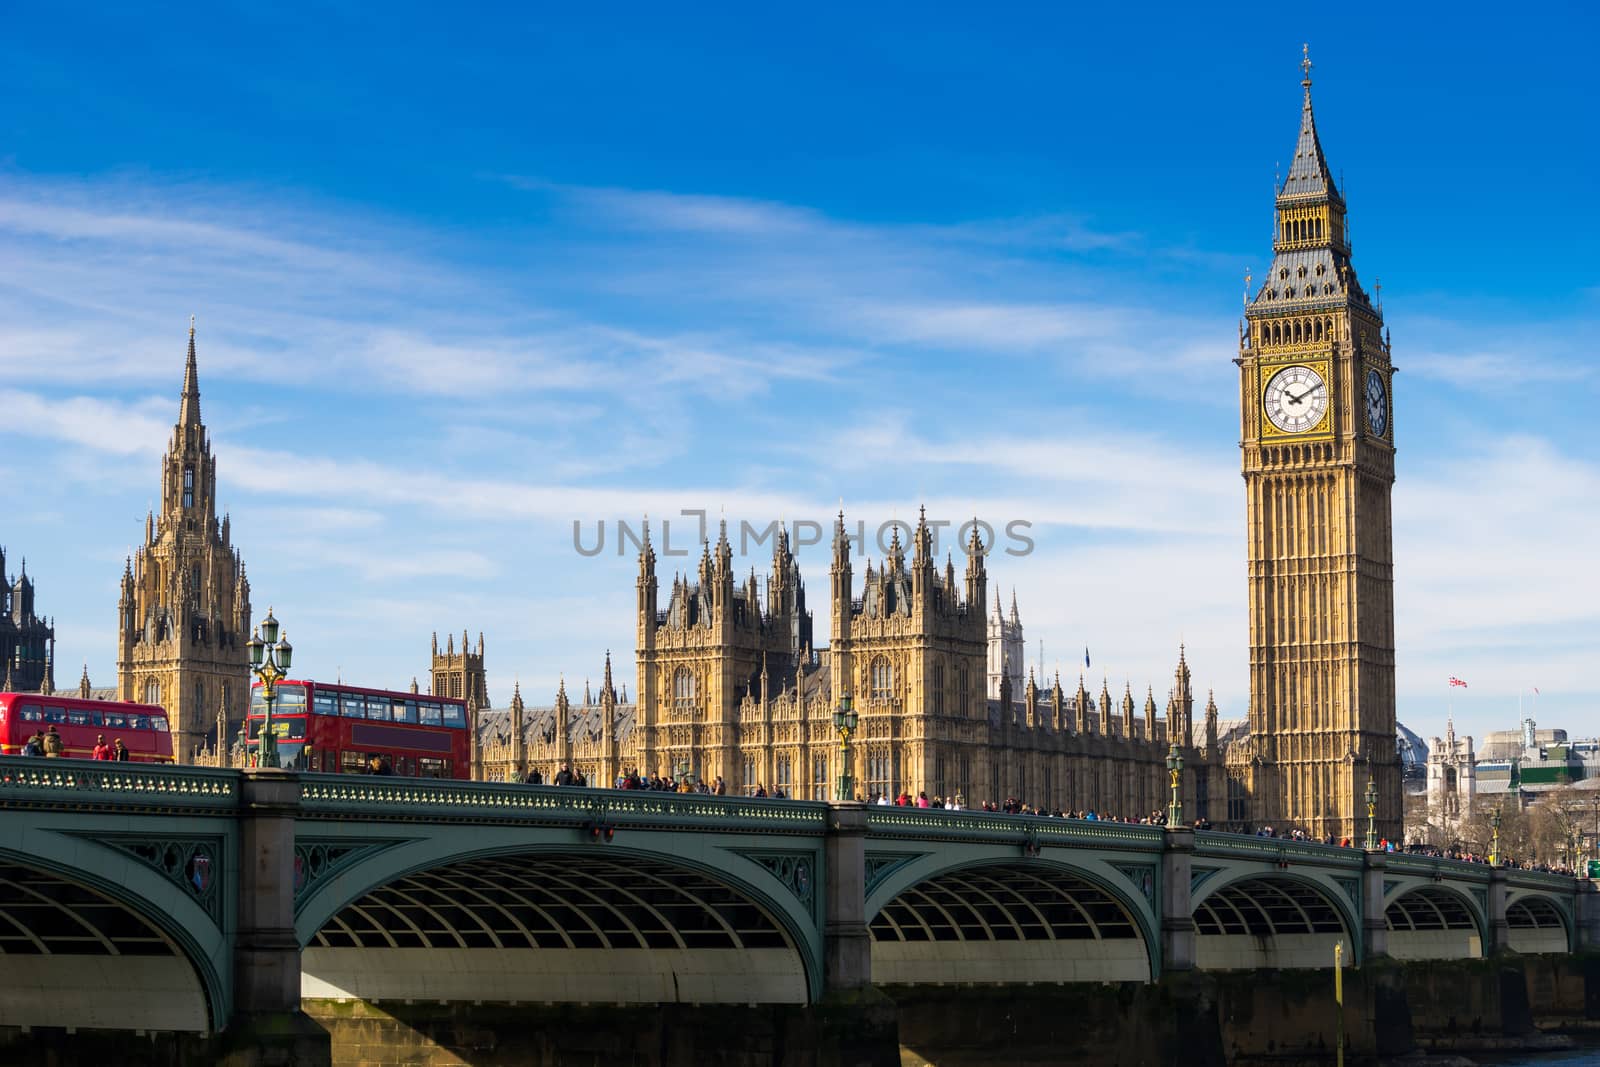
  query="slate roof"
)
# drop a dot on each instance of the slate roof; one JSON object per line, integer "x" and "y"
{"x": 539, "y": 723}
{"x": 1308, "y": 172}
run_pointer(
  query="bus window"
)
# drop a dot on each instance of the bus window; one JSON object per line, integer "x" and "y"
{"x": 405, "y": 767}
{"x": 139, "y": 722}
{"x": 325, "y": 704}
{"x": 352, "y": 706}
{"x": 290, "y": 699}
{"x": 32, "y": 713}
{"x": 116, "y": 722}
{"x": 56, "y": 715}
{"x": 405, "y": 711}
{"x": 431, "y": 715}
{"x": 77, "y": 717}
{"x": 353, "y": 762}
{"x": 455, "y": 715}
{"x": 377, "y": 709}
{"x": 158, "y": 724}
{"x": 429, "y": 767}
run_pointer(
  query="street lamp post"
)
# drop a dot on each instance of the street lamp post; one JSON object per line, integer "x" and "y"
{"x": 1372, "y": 815}
{"x": 270, "y": 657}
{"x": 1494, "y": 844}
{"x": 1175, "y": 769}
{"x": 845, "y": 721}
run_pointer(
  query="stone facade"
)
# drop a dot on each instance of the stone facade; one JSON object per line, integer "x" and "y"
{"x": 1318, "y": 464}
{"x": 27, "y": 641}
{"x": 183, "y": 618}
{"x": 729, "y": 686}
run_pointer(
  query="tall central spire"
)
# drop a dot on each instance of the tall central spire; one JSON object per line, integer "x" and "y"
{"x": 1308, "y": 172}
{"x": 189, "y": 406}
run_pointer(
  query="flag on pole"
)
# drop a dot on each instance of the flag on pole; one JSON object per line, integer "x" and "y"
{"x": 1457, "y": 681}
{"x": 1086, "y": 657}
{"x": 1535, "y": 690}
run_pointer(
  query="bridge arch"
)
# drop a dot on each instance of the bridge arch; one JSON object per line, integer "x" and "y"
{"x": 1277, "y": 920}
{"x": 515, "y": 921}
{"x": 1536, "y": 924}
{"x": 1037, "y": 919}
{"x": 103, "y": 943}
{"x": 1434, "y": 922}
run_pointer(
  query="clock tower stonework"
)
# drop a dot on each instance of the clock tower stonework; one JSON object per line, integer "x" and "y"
{"x": 1318, "y": 463}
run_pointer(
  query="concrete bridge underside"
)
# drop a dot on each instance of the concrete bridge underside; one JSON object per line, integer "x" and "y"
{"x": 78, "y": 957}
{"x": 1000, "y": 924}
{"x": 555, "y": 927}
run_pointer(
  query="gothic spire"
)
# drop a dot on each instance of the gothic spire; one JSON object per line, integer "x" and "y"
{"x": 189, "y": 406}
{"x": 1308, "y": 172}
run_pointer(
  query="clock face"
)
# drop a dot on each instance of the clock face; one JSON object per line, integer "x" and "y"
{"x": 1377, "y": 403}
{"x": 1296, "y": 399}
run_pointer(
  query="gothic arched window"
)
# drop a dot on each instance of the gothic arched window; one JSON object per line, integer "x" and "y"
{"x": 683, "y": 688}
{"x": 882, "y": 679}
{"x": 152, "y": 691}
{"x": 188, "y": 487}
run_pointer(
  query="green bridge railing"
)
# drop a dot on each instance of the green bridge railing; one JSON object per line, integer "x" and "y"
{"x": 75, "y": 784}
{"x": 889, "y": 821}
{"x": 78, "y": 783}
{"x": 348, "y": 796}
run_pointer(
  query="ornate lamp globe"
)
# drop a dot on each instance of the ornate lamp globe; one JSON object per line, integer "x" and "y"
{"x": 269, "y": 628}
{"x": 285, "y": 652}
{"x": 844, "y": 716}
{"x": 258, "y": 649}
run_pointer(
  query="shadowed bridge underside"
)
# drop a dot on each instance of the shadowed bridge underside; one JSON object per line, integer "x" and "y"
{"x": 555, "y": 927}
{"x": 1536, "y": 926}
{"x": 1263, "y": 922}
{"x": 1004, "y": 924}
{"x": 70, "y": 956}
{"x": 1432, "y": 923}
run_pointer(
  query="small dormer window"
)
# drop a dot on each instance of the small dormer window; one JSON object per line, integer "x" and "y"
{"x": 1301, "y": 272}
{"x": 1284, "y": 273}
{"x": 188, "y": 487}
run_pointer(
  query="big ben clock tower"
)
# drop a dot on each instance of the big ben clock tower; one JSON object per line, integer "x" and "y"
{"x": 1318, "y": 460}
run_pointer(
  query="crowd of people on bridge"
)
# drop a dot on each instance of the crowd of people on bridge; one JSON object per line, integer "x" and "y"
{"x": 47, "y": 744}
{"x": 632, "y": 779}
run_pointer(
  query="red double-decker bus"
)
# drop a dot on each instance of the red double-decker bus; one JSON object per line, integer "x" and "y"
{"x": 142, "y": 728}
{"x": 345, "y": 729}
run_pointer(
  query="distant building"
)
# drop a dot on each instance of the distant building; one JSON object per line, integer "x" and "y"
{"x": 1006, "y": 649}
{"x": 27, "y": 641}
{"x": 1452, "y": 780}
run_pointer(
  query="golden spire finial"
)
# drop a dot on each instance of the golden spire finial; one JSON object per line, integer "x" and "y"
{"x": 1305, "y": 64}
{"x": 191, "y": 326}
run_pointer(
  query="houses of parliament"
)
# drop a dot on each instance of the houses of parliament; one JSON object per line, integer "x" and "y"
{"x": 731, "y": 682}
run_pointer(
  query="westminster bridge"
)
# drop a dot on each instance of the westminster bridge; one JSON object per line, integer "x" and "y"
{"x": 154, "y": 898}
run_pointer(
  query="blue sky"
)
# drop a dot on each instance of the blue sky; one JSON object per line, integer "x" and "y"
{"x": 464, "y": 276}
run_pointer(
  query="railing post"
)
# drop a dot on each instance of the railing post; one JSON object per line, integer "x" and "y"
{"x": 847, "y": 946}
{"x": 1374, "y": 920}
{"x": 1177, "y": 916}
{"x": 1499, "y": 928}
{"x": 266, "y": 951}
